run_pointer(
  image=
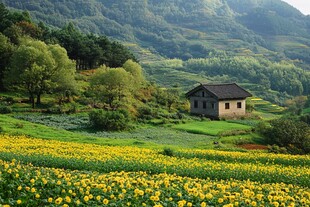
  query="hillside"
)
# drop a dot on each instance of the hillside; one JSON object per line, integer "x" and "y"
{"x": 185, "y": 29}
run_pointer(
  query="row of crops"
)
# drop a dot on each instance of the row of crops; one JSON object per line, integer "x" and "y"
{"x": 129, "y": 176}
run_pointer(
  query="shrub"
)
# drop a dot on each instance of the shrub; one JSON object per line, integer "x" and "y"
{"x": 63, "y": 109}
{"x": 293, "y": 135}
{"x": 167, "y": 152}
{"x": 19, "y": 125}
{"x": 5, "y": 110}
{"x": 145, "y": 112}
{"x": 276, "y": 149}
{"x": 110, "y": 120}
{"x": 305, "y": 118}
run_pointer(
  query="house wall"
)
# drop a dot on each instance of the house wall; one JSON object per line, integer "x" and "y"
{"x": 200, "y": 97}
{"x": 233, "y": 110}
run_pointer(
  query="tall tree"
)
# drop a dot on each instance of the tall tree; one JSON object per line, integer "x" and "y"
{"x": 6, "y": 51}
{"x": 37, "y": 67}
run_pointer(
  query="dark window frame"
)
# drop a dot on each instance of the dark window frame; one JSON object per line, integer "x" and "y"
{"x": 239, "y": 105}
{"x": 204, "y": 104}
{"x": 195, "y": 104}
{"x": 227, "y": 105}
{"x": 213, "y": 105}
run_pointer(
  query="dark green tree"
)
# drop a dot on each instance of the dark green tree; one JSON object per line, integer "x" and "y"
{"x": 6, "y": 51}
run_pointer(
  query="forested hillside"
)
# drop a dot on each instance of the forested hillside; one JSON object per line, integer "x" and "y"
{"x": 186, "y": 29}
{"x": 263, "y": 44}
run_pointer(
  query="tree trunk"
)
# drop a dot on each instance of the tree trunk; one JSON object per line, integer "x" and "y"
{"x": 38, "y": 98}
{"x": 31, "y": 100}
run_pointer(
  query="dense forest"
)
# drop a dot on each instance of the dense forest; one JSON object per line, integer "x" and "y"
{"x": 186, "y": 29}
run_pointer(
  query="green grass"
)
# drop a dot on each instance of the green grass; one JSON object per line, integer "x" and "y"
{"x": 14, "y": 126}
{"x": 145, "y": 136}
{"x": 242, "y": 139}
{"x": 212, "y": 128}
{"x": 148, "y": 137}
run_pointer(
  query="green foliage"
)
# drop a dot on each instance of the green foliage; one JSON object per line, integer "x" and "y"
{"x": 136, "y": 71}
{"x": 6, "y": 51}
{"x": 276, "y": 149}
{"x": 90, "y": 51}
{"x": 5, "y": 109}
{"x": 168, "y": 152}
{"x": 38, "y": 68}
{"x": 305, "y": 118}
{"x": 111, "y": 85}
{"x": 110, "y": 120}
{"x": 291, "y": 134}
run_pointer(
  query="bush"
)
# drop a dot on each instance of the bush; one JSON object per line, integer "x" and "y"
{"x": 110, "y": 120}
{"x": 276, "y": 149}
{"x": 167, "y": 152}
{"x": 19, "y": 125}
{"x": 305, "y": 118}
{"x": 5, "y": 110}
{"x": 145, "y": 112}
{"x": 293, "y": 135}
{"x": 63, "y": 109}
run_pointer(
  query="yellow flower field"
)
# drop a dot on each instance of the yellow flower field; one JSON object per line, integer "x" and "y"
{"x": 130, "y": 176}
{"x": 106, "y": 159}
{"x": 25, "y": 185}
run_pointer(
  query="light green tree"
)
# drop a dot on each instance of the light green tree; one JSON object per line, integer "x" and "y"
{"x": 111, "y": 85}
{"x": 136, "y": 71}
{"x": 38, "y": 68}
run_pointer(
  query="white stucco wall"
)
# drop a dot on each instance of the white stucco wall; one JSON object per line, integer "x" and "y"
{"x": 233, "y": 110}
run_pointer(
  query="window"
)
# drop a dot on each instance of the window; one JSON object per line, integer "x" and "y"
{"x": 239, "y": 105}
{"x": 203, "y": 94}
{"x": 195, "y": 104}
{"x": 212, "y": 105}
{"x": 227, "y": 106}
{"x": 204, "y": 104}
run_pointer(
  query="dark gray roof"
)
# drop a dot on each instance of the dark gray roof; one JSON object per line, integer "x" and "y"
{"x": 223, "y": 91}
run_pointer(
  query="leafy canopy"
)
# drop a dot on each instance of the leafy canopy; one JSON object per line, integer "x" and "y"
{"x": 39, "y": 68}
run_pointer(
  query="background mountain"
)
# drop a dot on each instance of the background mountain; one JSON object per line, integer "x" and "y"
{"x": 262, "y": 44}
{"x": 185, "y": 29}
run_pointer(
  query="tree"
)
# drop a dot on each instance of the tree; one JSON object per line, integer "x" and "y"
{"x": 39, "y": 68}
{"x": 135, "y": 70}
{"x": 6, "y": 51}
{"x": 4, "y": 16}
{"x": 111, "y": 85}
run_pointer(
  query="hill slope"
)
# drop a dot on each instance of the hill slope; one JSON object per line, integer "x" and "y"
{"x": 185, "y": 29}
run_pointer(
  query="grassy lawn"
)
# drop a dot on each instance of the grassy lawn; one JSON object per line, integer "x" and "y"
{"x": 212, "y": 128}
{"x": 14, "y": 126}
{"x": 148, "y": 137}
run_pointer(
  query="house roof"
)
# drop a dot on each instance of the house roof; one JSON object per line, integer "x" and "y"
{"x": 222, "y": 91}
